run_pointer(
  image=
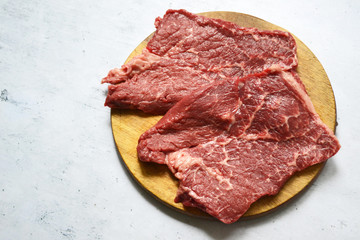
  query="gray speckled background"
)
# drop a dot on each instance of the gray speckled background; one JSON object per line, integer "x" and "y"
{"x": 60, "y": 174}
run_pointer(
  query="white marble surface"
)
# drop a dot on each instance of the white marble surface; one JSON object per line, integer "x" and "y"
{"x": 60, "y": 174}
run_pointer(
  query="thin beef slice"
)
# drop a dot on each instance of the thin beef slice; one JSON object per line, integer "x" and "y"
{"x": 188, "y": 51}
{"x": 231, "y": 143}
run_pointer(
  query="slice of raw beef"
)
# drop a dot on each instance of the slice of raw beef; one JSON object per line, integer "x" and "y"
{"x": 188, "y": 51}
{"x": 233, "y": 142}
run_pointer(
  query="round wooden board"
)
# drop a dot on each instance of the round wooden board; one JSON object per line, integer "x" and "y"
{"x": 128, "y": 125}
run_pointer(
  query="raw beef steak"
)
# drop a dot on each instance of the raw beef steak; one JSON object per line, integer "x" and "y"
{"x": 233, "y": 142}
{"x": 188, "y": 51}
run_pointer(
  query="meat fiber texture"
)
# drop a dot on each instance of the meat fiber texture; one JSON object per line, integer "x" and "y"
{"x": 188, "y": 51}
{"x": 233, "y": 142}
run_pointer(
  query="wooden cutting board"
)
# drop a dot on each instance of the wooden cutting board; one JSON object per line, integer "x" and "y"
{"x": 128, "y": 125}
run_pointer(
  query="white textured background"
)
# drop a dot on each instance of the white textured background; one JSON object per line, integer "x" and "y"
{"x": 60, "y": 174}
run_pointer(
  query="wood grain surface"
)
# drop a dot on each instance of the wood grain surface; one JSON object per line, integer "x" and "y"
{"x": 128, "y": 125}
